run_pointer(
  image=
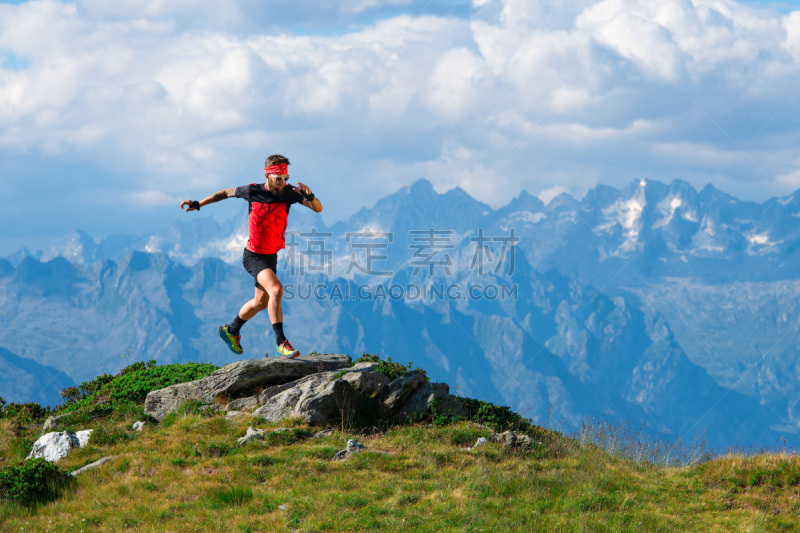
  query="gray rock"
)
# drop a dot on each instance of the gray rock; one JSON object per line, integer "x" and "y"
{"x": 367, "y": 381}
{"x": 249, "y": 403}
{"x": 450, "y": 406}
{"x": 252, "y": 435}
{"x": 53, "y": 421}
{"x": 237, "y": 379}
{"x": 274, "y": 390}
{"x": 364, "y": 367}
{"x": 420, "y": 401}
{"x": 401, "y": 389}
{"x": 235, "y": 414}
{"x": 93, "y": 465}
{"x": 513, "y": 439}
{"x": 55, "y": 446}
{"x": 352, "y": 447}
{"x": 138, "y": 426}
{"x": 324, "y": 433}
{"x": 315, "y": 399}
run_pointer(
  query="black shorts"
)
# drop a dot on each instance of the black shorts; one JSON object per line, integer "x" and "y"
{"x": 254, "y": 263}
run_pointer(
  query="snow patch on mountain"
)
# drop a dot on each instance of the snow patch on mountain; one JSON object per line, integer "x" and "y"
{"x": 628, "y": 214}
{"x": 667, "y": 207}
{"x": 761, "y": 244}
{"x": 522, "y": 217}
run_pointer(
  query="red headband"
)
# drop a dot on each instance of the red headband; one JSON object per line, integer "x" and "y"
{"x": 280, "y": 168}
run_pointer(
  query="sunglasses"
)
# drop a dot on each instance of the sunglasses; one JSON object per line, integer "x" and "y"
{"x": 280, "y": 178}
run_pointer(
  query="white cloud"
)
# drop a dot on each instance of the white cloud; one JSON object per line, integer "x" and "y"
{"x": 453, "y": 86}
{"x": 154, "y": 199}
{"x": 791, "y": 179}
{"x": 523, "y": 93}
{"x": 791, "y": 23}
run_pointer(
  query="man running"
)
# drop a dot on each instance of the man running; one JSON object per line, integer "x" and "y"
{"x": 267, "y": 214}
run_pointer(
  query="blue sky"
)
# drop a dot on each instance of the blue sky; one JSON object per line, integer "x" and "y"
{"x": 112, "y": 113}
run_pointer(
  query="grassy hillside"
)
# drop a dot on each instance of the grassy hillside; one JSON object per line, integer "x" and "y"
{"x": 188, "y": 474}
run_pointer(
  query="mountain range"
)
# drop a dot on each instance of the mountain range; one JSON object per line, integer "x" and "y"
{"x": 654, "y": 304}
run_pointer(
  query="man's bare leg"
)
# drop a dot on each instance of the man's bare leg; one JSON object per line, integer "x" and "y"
{"x": 259, "y": 302}
{"x": 274, "y": 290}
{"x": 230, "y": 332}
{"x": 272, "y": 285}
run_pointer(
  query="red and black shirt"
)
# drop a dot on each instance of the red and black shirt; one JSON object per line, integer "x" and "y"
{"x": 267, "y": 215}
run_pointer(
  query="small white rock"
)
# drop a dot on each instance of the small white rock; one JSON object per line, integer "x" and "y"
{"x": 83, "y": 437}
{"x": 251, "y": 435}
{"x": 57, "y": 445}
{"x": 138, "y": 426}
{"x": 481, "y": 442}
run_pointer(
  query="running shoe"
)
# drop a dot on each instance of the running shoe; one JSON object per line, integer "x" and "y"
{"x": 233, "y": 341}
{"x": 285, "y": 350}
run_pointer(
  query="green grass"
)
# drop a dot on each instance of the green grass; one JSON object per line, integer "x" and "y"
{"x": 189, "y": 474}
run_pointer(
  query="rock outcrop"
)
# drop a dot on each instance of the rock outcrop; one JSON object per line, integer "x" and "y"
{"x": 315, "y": 389}
{"x": 315, "y": 399}
{"x": 238, "y": 380}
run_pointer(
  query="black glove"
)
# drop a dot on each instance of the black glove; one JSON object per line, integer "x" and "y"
{"x": 310, "y": 197}
{"x": 194, "y": 204}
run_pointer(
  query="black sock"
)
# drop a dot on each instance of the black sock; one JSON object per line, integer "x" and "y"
{"x": 236, "y": 325}
{"x": 277, "y": 327}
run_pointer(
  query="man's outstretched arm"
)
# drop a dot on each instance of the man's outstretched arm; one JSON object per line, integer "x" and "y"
{"x": 194, "y": 205}
{"x": 309, "y": 200}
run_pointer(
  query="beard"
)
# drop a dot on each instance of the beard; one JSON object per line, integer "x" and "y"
{"x": 278, "y": 187}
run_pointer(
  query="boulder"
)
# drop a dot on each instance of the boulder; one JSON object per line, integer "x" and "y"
{"x": 57, "y": 445}
{"x": 269, "y": 392}
{"x": 83, "y": 437}
{"x": 421, "y": 400}
{"x": 324, "y": 433}
{"x": 249, "y": 403}
{"x": 316, "y": 399}
{"x": 367, "y": 381}
{"x": 401, "y": 389}
{"x": 240, "y": 379}
{"x": 513, "y": 439}
{"x": 53, "y": 421}
{"x": 252, "y": 435}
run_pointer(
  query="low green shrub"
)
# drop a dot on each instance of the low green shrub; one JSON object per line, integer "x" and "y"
{"x": 132, "y": 384}
{"x": 335, "y": 376}
{"x": 24, "y": 413}
{"x": 32, "y": 482}
{"x": 216, "y": 448}
{"x": 391, "y": 369}
{"x": 500, "y": 418}
{"x": 286, "y": 437}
